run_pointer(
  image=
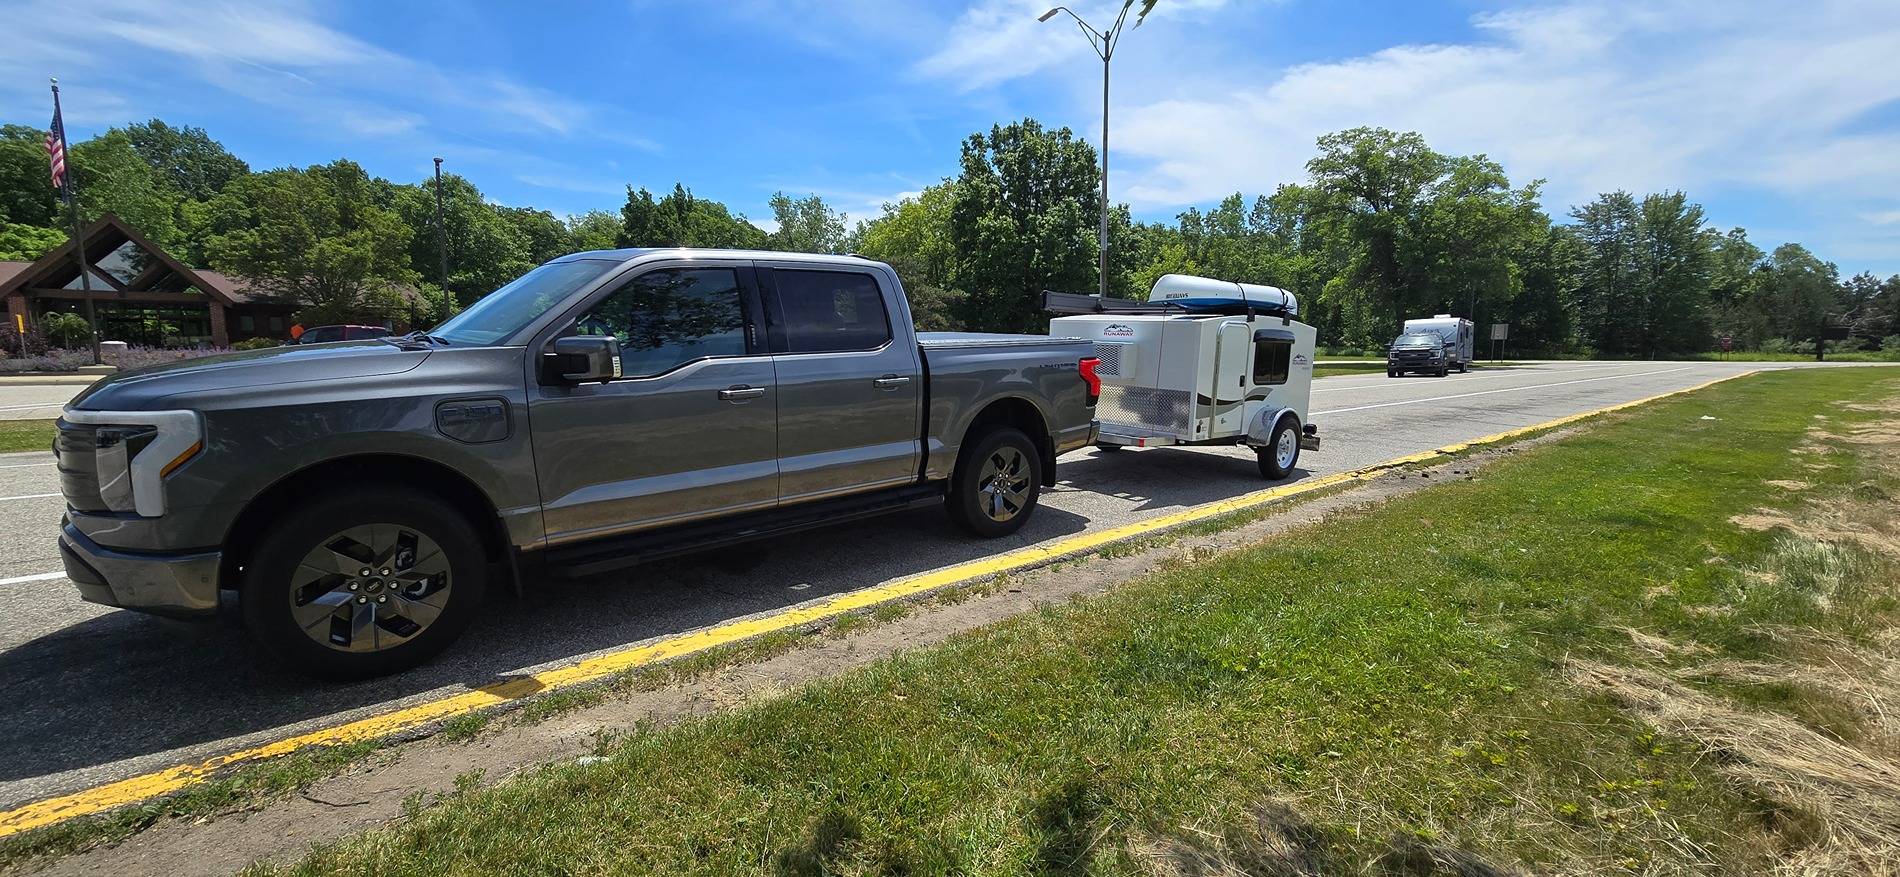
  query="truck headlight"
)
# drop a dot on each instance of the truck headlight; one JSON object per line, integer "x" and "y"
{"x": 135, "y": 450}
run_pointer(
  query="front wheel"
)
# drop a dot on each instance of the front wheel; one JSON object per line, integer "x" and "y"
{"x": 363, "y": 582}
{"x": 1282, "y": 451}
{"x": 996, "y": 484}
{"x": 1391, "y": 373}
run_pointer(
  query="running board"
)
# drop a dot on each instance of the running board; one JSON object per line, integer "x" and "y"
{"x": 619, "y": 552}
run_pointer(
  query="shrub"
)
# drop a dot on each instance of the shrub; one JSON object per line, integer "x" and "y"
{"x": 33, "y": 343}
{"x": 1778, "y": 345}
{"x": 66, "y": 330}
{"x": 255, "y": 344}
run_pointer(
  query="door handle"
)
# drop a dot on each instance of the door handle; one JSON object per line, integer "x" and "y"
{"x": 741, "y": 393}
{"x": 891, "y": 382}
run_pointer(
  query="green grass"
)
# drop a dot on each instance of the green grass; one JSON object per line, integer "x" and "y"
{"x": 26, "y": 435}
{"x": 1391, "y": 676}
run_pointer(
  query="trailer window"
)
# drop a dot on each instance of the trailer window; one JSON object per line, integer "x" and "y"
{"x": 1271, "y": 359}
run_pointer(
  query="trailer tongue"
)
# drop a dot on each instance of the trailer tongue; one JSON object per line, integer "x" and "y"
{"x": 1202, "y": 362}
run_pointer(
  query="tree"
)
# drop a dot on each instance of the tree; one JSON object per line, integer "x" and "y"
{"x": 486, "y": 249}
{"x": 545, "y": 236}
{"x": 197, "y": 166}
{"x": 913, "y": 235}
{"x": 593, "y": 230}
{"x": 682, "y": 220}
{"x": 109, "y": 176}
{"x": 1735, "y": 274}
{"x": 806, "y": 225}
{"x": 24, "y": 243}
{"x": 1608, "y": 293}
{"x": 1800, "y": 292}
{"x": 1023, "y": 222}
{"x": 315, "y": 237}
{"x": 26, "y": 187}
{"x": 1371, "y": 183}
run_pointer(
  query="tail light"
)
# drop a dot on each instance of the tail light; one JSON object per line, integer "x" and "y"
{"x": 1087, "y": 366}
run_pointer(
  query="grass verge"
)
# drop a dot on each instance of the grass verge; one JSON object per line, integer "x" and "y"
{"x": 1421, "y": 686}
{"x": 26, "y": 435}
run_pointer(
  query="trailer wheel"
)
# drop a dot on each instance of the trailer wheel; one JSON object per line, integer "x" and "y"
{"x": 996, "y": 483}
{"x": 1282, "y": 451}
{"x": 1444, "y": 370}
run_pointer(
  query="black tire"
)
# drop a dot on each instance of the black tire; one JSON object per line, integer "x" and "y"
{"x": 1464, "y": 368}
{"x": 1270, "y": 467}
{"x": 270, "y": 594}
{"x": 1016, "y": 460}
{"x": 1391, "y": 373}
{"x": 1109, "y": 449}
{"x": 1444, "y": 371}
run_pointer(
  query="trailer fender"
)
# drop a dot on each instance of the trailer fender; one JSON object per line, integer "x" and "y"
{"x": 1260, "y": 431}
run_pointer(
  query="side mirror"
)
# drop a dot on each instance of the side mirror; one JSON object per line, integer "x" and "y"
{"x": 583, "y": 358}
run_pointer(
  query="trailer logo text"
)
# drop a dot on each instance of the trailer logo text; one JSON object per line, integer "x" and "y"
{"x": 1118, "y": 330}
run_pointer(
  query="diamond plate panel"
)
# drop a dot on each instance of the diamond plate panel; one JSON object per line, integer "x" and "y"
{"x": 1147, "y": 408}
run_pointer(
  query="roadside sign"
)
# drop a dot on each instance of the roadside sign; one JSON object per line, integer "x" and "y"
{"x": 1728, "y": 343}
{"x": 1500, "y": 331}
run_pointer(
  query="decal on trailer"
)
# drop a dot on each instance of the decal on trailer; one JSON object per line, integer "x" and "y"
{"x": 1118, "y": 330}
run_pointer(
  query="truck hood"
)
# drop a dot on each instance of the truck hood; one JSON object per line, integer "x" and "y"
{"x": 149, "y": 387}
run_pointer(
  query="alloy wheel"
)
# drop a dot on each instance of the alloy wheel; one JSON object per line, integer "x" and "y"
{"x": 370, "y": 587}
{"x": 1004, "y": 484}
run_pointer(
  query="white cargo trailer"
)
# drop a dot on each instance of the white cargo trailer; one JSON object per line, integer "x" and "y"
{"x": 1201, "y": 362}
{"x": 1458, "y": 332}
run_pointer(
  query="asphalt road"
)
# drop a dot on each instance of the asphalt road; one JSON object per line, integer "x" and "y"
{"x": 93, "y": 695}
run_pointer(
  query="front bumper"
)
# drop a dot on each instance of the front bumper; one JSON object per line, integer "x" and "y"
{"x": 178, "y": 585}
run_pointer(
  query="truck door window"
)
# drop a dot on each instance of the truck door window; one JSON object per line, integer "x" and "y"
{"x": 829, "y": 311}
{"x": 670, "y": 317}
{"x": 1271, "y": 358}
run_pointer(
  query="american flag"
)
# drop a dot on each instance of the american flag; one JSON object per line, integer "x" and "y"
{"x": 56, "y": 151}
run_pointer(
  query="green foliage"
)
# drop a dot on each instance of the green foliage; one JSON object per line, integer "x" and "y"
{"x": 66, "y": 330}
{"x": 21, "y": 242}
{"x": 913, "y": 235}
{"x": 26, "y": 187}
{"x": 259, "y": 343}
{"x": 315, "y": 237}
{"x": 194, "y": 165}
{"x": 111, "y": 177}
{"x": 593, "y": 230}
{"x": 1023, "y": 222}
{"x": 682, "y": 220}
{"x": 806, "y": 225}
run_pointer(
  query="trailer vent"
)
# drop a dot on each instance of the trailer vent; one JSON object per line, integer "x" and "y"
{"x": 1110, "y": 353}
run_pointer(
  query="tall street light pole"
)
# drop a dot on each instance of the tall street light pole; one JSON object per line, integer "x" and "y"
{"x": 1103, "y": 42}
{"x": 441, "y": 238}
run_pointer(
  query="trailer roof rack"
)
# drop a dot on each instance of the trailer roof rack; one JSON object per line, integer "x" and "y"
{"x": 1072, "y": 303}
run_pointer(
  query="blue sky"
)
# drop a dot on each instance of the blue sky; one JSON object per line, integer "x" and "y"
{"x": 1781, "y": 117}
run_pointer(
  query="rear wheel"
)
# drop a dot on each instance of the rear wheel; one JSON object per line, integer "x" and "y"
{"x": 1282, "y": 451}
{"x": 363, "y": 582}
{"x": 996, "y": 484}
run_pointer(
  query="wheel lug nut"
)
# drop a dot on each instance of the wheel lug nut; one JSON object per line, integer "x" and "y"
{"x": 385, "y": 570}
{"x": 353, "y": 586}
{"x": 382, "y": 599}
{"x": 362, "y": 599}
{"x": 364, "y": 572}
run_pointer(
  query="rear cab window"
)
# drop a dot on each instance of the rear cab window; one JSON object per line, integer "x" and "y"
{"x": 818, "y": 311}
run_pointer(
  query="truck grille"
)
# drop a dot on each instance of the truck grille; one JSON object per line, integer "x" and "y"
{"x": 73, "y": 451}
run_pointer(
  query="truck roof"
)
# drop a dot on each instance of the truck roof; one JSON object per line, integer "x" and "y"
{"x": 626, "y": 254}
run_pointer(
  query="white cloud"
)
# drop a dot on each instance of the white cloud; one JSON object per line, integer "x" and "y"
{"x": 280, "y": 54}
{"x": 998, "y": 40}
{"x": 1882, "y": 217}
{"x": 1592, "y": 94}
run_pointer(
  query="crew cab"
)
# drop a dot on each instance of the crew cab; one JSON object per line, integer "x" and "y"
{"x": 1422, "y": 352}
{"x": 605, "y": 408}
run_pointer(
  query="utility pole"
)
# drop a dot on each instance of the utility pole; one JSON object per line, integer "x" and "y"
{"x": 72, "y": 209}
{"x": 1104, "y": 45}
{"x": 441, "y": 238}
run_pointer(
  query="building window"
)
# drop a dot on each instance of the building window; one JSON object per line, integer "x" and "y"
{"x": 247, "y": 323}
{"x": 276, "y": 324}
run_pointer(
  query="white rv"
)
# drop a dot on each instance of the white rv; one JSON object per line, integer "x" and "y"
{"x": 1457, "y": 332}
{"x": 1202, "y": 362}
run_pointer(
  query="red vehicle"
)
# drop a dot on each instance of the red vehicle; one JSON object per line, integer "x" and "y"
{"x": 320, "y": 334}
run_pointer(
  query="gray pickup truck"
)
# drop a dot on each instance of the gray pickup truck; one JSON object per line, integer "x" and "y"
{"x": 605, "y": 408}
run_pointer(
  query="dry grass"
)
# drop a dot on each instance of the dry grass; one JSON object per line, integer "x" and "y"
{"x": 1850, "y": 796}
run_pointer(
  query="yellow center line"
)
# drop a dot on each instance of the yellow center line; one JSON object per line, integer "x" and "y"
{"x": 145, "y": 787}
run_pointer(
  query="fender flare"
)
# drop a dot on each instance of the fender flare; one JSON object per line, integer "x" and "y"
{"x": 1260, "y": 431}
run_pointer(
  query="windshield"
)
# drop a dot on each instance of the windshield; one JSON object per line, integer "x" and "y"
{"x": 505, "y": 311}
{"x": 1416, "y": 339}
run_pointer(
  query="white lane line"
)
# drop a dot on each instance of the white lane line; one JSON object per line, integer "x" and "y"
{"x": 36, "y": 577}
{"x": 1336, "y": 383}
{"x": 25, "y": 465}
{"x": 27, "y": 496}
{"x": 1501, "y": 390}
{"x": 29, "y": 407}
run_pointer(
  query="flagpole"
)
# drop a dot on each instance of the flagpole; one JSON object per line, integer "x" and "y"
{"x": 72, "y": 210}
